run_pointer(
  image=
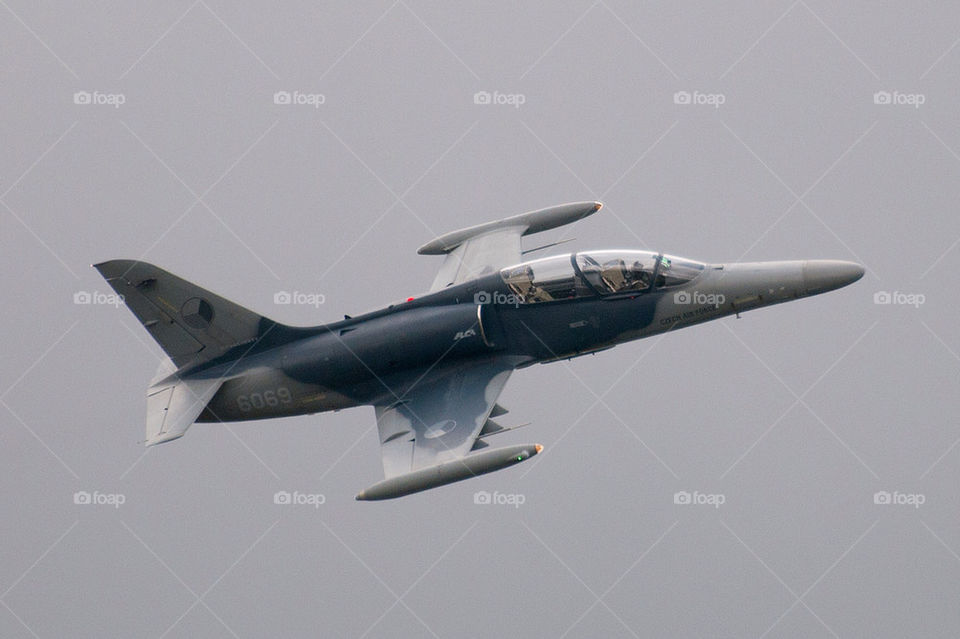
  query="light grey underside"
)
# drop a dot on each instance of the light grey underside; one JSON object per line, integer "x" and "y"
{"x": 440, "y": 417}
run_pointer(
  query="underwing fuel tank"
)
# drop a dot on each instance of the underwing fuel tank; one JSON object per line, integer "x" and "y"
{"x": 449, "y": 472}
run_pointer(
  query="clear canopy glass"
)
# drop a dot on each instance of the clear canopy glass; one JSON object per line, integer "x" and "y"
{"x": 546, "y": 280}
{"x": 618, "y": 271}
{"x": 591, "y": 273}
{"x": 677, "y": 270}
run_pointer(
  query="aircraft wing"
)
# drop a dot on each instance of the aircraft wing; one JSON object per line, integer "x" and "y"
{"x": 485, "y": 248}
{"x": 439, "y": 418}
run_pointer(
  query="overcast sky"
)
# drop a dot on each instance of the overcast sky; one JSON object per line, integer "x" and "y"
{"x": 718, "y": 131}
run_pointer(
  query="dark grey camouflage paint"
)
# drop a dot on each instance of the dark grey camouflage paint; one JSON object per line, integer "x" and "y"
{"x": 368, "y": 359}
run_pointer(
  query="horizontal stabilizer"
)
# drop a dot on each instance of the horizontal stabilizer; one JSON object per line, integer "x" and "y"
{"x": 174, "y": 404}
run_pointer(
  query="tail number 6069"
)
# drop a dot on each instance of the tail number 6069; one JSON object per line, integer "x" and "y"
{"x": 268, "y": 398}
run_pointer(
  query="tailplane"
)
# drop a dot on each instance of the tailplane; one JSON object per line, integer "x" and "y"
{"x": 174, "y": 403}
{"x": 192, "y": 326}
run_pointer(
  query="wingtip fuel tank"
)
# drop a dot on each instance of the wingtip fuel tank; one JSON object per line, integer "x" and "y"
{"x": 448, "y": 472}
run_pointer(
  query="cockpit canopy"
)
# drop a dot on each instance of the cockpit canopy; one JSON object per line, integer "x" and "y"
{"x": 597, "y": 273}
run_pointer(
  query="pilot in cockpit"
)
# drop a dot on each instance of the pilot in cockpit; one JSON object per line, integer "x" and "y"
{"x": 620, "y": 278}
{"x": 614, "y": 275}
{"x": 637, "y": 277}
{"x": 521, "y": 283}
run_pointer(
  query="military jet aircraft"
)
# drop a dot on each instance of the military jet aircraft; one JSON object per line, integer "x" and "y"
{"x": 433, "y": 366}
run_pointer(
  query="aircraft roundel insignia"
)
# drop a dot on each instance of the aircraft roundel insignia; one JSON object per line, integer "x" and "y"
{"x": 440, "y": 429}
{"x": 197, "y": 312}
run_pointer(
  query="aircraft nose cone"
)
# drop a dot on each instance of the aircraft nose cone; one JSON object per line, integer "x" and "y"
{"x": 820, "y": 276}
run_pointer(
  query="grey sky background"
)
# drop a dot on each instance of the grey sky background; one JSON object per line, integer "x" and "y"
{"x": 797, "y": 415}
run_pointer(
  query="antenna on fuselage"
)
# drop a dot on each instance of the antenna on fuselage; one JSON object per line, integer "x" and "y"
{"x": 545, "y": 246}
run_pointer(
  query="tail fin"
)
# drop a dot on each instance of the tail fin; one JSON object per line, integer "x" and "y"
{"x": 192, "y": 325}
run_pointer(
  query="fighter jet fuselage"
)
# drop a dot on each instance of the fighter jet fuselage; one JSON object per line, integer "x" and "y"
{"x": 369, "y": 358}
{"x": 433, "y": 366}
